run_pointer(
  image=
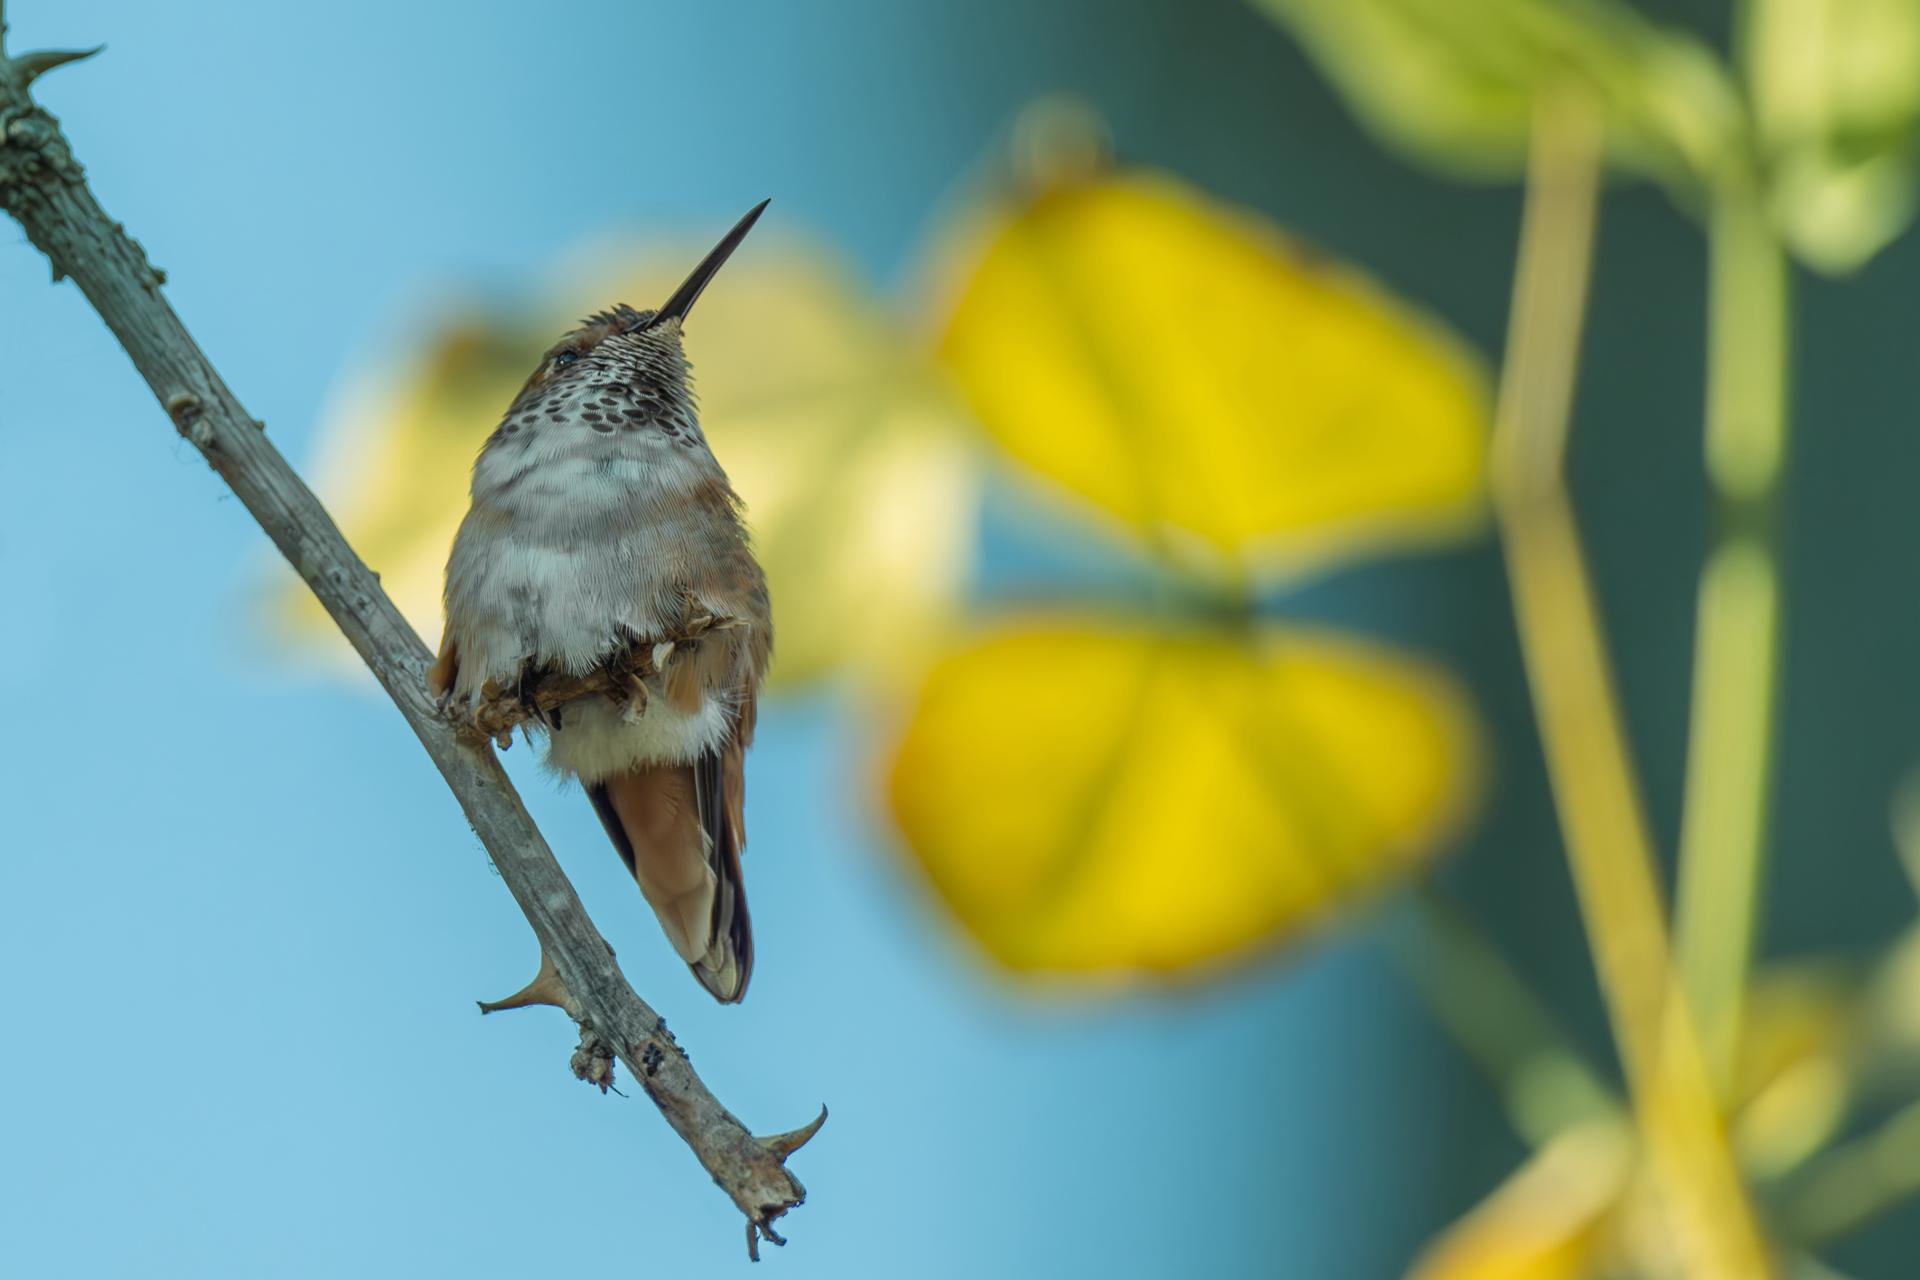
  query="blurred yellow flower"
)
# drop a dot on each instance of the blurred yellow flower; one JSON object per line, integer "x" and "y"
{"x": 1185, "y": 368}
{"x": 1094, "y": 793}
{"x": 859, "y": 476}
{"x": 1171, "y": 790}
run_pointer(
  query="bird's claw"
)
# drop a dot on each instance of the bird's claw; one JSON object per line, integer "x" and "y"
{"x": 495, "y": 712}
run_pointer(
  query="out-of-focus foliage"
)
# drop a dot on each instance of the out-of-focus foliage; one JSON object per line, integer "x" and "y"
{"x": 1188, "y": 370}
{"x": 1792, "y": 1076}
{"x": 1828, "y": 133}
{"x": 1805, "y": 144}
{"x": 1092, "y": 793}
{"x": 1453, "y": 82}
{"x": 1836, "y": 97}
{"x": 1554, "y": 1219}
{"x": 1585, "y": 1206}
{"x": 1165, "y": 790}
{"x": 860, "y": 480}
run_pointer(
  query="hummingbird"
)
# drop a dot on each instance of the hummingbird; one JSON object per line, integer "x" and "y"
{"x": 601, "y": 521}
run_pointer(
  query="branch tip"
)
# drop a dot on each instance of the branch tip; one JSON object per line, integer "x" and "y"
{"x": 783, "y": 1145}
{"x": 31, "y": 66}
{"x": 758, "y": 1229}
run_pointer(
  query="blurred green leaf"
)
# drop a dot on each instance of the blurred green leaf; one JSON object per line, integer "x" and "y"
{"x": 1454, "y": 81}
{"x": 1836, "y": 94}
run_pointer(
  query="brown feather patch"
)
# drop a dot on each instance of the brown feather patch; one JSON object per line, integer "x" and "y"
{"x": 678, "y": 828}
{"x": 446, "y": 666}
{"x": 658, "y": 811}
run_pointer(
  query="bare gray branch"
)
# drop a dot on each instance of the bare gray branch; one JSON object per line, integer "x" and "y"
{"x": 44, "y": 188}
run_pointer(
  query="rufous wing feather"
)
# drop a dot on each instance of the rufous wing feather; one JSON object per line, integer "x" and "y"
{"x": 446, "y": 666}
{"x": 673, "y": 827}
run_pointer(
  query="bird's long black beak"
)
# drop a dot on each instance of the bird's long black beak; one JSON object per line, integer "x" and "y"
{"x": 676, "y": 307}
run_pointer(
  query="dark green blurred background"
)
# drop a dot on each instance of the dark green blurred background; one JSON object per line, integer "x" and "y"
{"x": 1212, "y": 91}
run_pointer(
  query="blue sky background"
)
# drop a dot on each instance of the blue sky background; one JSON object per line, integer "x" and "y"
{"x": 241, "y": 921}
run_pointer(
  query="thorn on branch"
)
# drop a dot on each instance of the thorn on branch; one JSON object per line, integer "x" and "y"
{"x": 783, "y": 1145}
{"x": 593, "y": 1060}
{"x": 29, "y": 67}
{"x": 546, "y": 988}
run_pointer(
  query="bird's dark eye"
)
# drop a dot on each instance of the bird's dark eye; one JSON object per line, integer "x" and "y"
{"x": 565, "y": 358}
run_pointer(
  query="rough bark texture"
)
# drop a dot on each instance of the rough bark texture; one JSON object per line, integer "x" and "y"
{"x": 44, "y": 188}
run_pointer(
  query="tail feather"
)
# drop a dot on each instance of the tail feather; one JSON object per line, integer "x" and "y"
{"x": 671, "y": 827}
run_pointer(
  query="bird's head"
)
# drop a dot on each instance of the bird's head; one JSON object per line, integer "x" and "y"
{"x": 638, "y": 349}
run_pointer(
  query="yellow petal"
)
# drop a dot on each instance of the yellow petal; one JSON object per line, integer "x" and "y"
{"x": 1179, "y": 365}
{"x": 1547, "y": 1222}
{"x": 857, "y": 470}
{"x": 1092, "y": 795}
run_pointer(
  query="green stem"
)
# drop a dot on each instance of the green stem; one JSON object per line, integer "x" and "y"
{"x": 1737, "y": 647}
{"x": 1852, "y": 1184}
{"x": 1546, "y": 1084}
